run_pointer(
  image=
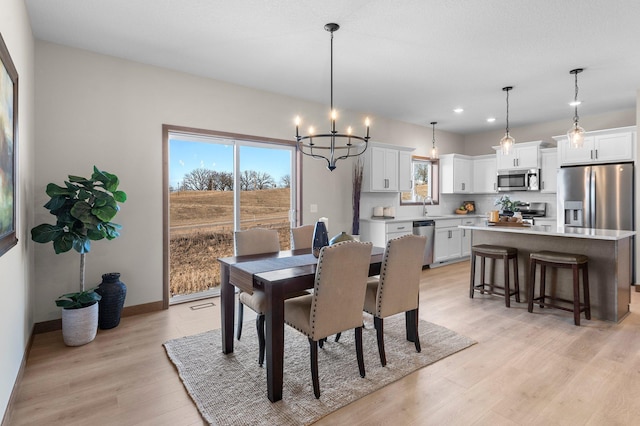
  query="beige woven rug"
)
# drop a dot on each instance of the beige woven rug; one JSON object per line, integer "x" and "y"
{"x": 231, "y": 389}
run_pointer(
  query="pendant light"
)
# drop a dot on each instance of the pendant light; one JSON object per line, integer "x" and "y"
{"x": 576, "y": 133}
{"x": 506, "y": 143}
{"x": 332, "y": 146}
{"x": 434, "y": 149}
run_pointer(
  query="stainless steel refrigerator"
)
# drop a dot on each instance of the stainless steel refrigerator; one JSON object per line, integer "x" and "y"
{"x": 598, "y": 196}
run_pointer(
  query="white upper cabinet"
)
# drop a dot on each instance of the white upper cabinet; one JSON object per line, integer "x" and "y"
{"x": 525, "y": 155}
{"x": 385, "y": 170}
{"x": 456, "y": 174}
{"x": 405, "y": 177}
{"x": 549, "y": 170}
{"x": 602, "y": 146}
{"x": 485, "y": 174}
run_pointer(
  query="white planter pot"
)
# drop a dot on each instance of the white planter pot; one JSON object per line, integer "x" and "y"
{"x": 79, "y": 326}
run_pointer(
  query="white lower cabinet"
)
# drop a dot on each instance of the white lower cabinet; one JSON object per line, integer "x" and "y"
{"x": 452, "y": 242}
{"x": 379, "y": 232}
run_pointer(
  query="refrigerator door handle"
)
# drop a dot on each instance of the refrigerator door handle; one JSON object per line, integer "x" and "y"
{"x": 592, "y": 200}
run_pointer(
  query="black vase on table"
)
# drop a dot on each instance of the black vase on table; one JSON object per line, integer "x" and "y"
{"x": 113, "y": 292}
{"x": 320, "y": 238}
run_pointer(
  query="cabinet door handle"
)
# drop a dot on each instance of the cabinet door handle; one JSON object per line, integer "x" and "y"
{"x": 494, "y": 186}
{"x": 448, "y": 234}
{"x": 591, "y": 154}
{"x": 542, "y": 185}
{"x": 400, "y": 227}
{"x": 463, "y": 186}
{"x": 596, "y": 154}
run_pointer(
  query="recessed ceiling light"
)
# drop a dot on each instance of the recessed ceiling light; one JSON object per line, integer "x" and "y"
{"x": 458, "y": 110}
{"x": 574, "y": 103}
{"x": 491, "y": 119}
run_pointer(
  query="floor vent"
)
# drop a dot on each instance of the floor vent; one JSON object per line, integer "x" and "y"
{"x": 202, "y": 306}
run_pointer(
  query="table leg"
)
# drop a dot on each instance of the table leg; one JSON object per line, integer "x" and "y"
{"x": 275, "y": 341}
{"x": 227, "y": 309}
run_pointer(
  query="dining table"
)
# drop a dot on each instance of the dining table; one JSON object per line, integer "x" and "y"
{"x": 280, "y": 275}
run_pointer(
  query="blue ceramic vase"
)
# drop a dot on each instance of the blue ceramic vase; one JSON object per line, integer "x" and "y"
{"x": 320, "y": 238}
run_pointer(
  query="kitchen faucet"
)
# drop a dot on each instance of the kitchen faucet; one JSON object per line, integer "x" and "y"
{"x": 424, "y": 204}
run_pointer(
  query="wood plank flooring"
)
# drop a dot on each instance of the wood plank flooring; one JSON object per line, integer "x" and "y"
{"x": 526, "y": 369}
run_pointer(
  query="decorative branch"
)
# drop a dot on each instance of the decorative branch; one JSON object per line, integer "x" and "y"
{"x": 358, "y": 168}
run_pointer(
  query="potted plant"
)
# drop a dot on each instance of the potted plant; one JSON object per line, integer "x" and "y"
{"x": 357, "y": 190}
{"x": 83, "y": 209}
{"x": 506, "y": 205}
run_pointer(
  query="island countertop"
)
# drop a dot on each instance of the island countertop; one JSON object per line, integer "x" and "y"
{"x": 609, "y": 253}
{"x": 557, "y": 231}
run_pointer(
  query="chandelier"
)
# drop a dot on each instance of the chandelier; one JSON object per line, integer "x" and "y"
{"x": 506, "y": 143}
{"x": 576, "y": 133}
{"x": 332, "y": 146}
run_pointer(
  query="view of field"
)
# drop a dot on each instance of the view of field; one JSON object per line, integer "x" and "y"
{"x": 201, "y": 230}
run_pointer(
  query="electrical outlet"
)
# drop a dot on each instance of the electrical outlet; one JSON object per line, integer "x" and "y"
{"x": 313, "y": 208}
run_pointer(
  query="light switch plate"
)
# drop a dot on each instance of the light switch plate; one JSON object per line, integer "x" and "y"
{"x": 313, "y": 208}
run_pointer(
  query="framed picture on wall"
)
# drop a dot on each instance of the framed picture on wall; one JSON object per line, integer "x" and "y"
{"x": 8, "y": 148}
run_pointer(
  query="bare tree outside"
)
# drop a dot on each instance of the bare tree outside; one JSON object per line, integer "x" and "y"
{"x": 197, "y": 180}
{"x": 263, "y": 180}
{"x": 285, "y": 181}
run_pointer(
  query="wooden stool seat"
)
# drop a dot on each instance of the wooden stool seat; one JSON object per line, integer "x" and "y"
{"x": 495, "y": 252}
{"x": 575, "y": 262}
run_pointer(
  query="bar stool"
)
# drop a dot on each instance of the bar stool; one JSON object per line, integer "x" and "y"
{"x": 575, "y": 262}
{"x": 495, "y": 252}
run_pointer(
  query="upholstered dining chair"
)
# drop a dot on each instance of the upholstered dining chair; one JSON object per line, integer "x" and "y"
{"x": 397, "y": 287}
{"x": 336, "y": 302}
{"x": 302, "y": 237}
{"x": 255, "y": 241}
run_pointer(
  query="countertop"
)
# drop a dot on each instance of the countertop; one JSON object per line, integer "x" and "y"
{"x": 428, "y": 217}
{"x": 557, "y": 231}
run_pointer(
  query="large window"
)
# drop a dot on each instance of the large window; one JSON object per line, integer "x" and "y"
{"x": 217, "y": 184}
{"x": 425, "y": 182}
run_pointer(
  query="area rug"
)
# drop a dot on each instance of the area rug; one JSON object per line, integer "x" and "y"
{"x": 232, "y": 390}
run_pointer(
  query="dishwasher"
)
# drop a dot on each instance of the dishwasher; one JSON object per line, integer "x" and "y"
{"x": 426, "y": 228}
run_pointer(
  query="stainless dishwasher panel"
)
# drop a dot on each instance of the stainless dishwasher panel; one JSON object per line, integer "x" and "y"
{"x": 427, "y": 229}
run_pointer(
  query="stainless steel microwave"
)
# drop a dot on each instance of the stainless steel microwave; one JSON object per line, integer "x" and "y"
{"x": 519, "y": 180}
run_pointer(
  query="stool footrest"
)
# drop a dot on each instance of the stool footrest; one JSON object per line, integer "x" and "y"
{"x": 481, "y": 289}
{"x": 550, "y": 303}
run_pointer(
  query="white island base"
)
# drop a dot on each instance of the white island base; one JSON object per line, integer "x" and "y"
{"x": 609, "y": 255}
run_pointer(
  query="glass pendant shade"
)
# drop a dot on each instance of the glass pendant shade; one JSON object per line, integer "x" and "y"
{"x": 576, "y": 136}
{"x": 506, "y": 143}
{"x": 434, "y": 152}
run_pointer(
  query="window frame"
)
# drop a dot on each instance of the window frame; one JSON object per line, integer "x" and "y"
{"x": 434, "y": 177}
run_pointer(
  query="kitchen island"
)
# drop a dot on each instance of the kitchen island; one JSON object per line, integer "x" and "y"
{"x": 610, "y": 261}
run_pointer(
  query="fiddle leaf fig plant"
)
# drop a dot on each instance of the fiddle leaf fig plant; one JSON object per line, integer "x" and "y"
{"x": 83, "y": 209}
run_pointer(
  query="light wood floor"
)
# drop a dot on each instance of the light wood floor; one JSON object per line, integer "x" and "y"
{"x": 526, "y": 369}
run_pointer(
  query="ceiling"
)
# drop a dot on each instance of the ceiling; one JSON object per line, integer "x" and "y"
{"x": 409, "y": 60}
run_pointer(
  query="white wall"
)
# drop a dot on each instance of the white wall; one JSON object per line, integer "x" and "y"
{"x": 16, "y": 315}
{"x": 94, "y": 109}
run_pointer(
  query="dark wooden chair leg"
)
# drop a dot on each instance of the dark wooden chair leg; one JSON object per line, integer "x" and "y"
{"x": 359, "y": 352}
{"x": 240, "y": 316}
{"x": 585, "y": 284}
{"x": 473, "y": 275}
{"x": 482, "y": 272}
{"x": 576, "y": 294}
{"x": 516, "y": 279}
{"x": 261, "y": 341}
{"x": 532, "y": 284}
{"x": 313, "y": 346}
{"x": 543, "y": 284}
{"x": 338, "y": 336}
{"x": 379, "y": 325}
{"x": 507, "y": 287}
{"x": 414, "y": 323}
{"x": 321, "y": 343}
